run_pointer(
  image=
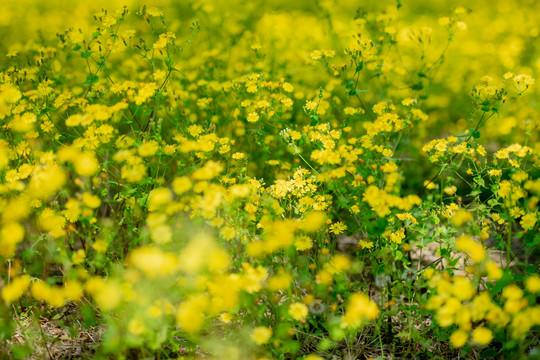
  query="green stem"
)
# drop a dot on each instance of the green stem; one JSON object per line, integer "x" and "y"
{"x": 509, "y": 244}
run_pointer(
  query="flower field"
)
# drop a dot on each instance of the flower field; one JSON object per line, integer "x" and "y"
{"x": 269, "y": 180}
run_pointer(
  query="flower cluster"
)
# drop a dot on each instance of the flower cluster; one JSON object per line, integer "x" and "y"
{"x": 269, "y": 180}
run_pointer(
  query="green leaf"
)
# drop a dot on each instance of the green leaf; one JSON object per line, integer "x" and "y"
{"x": 475, "y": 193}
{"x": 325, "y": 345}
{"x": 45, "y": 111}
{"x": 86, "y": 54}
{"x": 492, "y": 202}
{"x": 354, "y": 92}
{"x": 488, "y": 353}
{"x": 91, "y": 79}
{"x": 533, "y": 244}
{"x": 168, "y": 61}
{"x": 480, "y": 181}
{"x": 21, "y": 351}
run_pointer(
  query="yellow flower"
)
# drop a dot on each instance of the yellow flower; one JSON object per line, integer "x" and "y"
{"x": 532, "y": 284}
{"x": 313, "y": 221}
{"x": 148, "y": 148}
{"x": 323, "y": 277}
{"x": 92, "y": 201}
{"x": 181, "y": 184}
{"x": 210, "y": 170}
{"x": 461, "y": 217}
{"x": 298, "y": 311}
{"x": 195, "y": 130}
{"x": 158, "y": 198}
{"x": 482, "y": 336}
{"x": 153, "y": 11}
{"x": 311, "y": 105}
{"x": 136, "y": 326}
{"x": 100, "y": 246}
{"x": 72, "y": 290}
{"x": 397, "y": 236}
{"x": 15, "y": 289}
{"x": 474, "y": 249}
{"x": 78, "y": 256}
{"x": 109, "y": 21}
{"x": 40, "y": 290}
{"x": 106, "y": 293}
{"x": 279, "y": 282}
{"x": 86, "y": 164}
{"x": 337, "y": 264}
{"x": 463, "y": 288}
{"x": 253, "y": 117}
{"x": 52, "y": 223}
{"x": 261, "y": 335}
{"x": 365, "y": 244}
{"x": 190, "y": 315}
{"x": 408, "y": 102}
{"x": 512, "y": 292}
{"x": 288, "y": 87}
{"x": 313, "y": 357}
{"x": 529, "y": 221}
{"x": 153, "y": 262}
{"x": 337, "y": 228}
{"x": 12, "y": 233}
{"x": 429, "y": 185}
{"x": 303, "y": 243}
{"x": 450, "y": 190}
{"x": 238, "y": 156}
{"x": 315, "y": 55}
{"x": 46, "y": 181}
{"x": 160, "y": 44}
{"x": 225, "y": 318}
{"x": 295, "y": 135}
{"x": 445, "y": 21}
{"x": 458, "y": 338}
{"x": 359, "y": 308}
{"x": 493, "y": 271}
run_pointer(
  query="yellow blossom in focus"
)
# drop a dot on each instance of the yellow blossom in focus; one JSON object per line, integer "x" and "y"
{"x": 338, "y": 227}
{"x": 253, "y": 117}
